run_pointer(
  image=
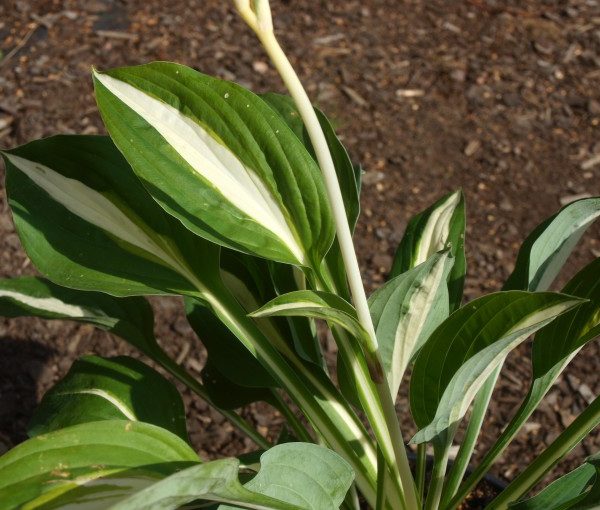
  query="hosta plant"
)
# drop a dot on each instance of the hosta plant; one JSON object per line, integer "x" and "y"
{"x": 244, "y": 205}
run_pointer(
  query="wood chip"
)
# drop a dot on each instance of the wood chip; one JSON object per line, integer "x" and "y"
{"x": 590, "y": 163}
{"x": 567, "y": 199}
{"x": 472, "y": 147}
{"x": 587, "y": 394}
{"x": 354, "y": 96}
{"x": 114, "y": 34}
{"x": 410, "y": 93}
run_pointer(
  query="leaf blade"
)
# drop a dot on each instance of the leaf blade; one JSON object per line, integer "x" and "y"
{"x": 97, "y": 389}
{"x": 245, "y": 147}
{"x": 448, "y": 373}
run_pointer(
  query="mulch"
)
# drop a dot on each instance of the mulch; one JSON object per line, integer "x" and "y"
{"x": 500, "y": 99}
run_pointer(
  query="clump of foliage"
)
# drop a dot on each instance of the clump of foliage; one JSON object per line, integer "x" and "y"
{"x": 244, "y": 205}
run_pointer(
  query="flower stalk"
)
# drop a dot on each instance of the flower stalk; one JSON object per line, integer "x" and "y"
{"x": 257, "y": 14}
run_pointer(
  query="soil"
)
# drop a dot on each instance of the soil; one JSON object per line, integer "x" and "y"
{"x": 500, "y": 98}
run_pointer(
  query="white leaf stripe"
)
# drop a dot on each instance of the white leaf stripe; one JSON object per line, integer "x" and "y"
{"x": 209, "y": 158}
{"x": 48, "y": 304}
{"x": 95, "y": 208}
{"x": 417, "y": 304}
{"x": 435, "y": 233}
{"x": 472, "y": 374}
{"x": 121, "y": 406}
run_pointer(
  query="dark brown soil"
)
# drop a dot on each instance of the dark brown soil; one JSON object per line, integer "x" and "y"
{"x": 500, "y": 98}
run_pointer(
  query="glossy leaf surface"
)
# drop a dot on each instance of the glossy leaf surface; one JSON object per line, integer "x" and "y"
{"x": 218, "y": 158}
{"x": 120, "y": 388}
{"x": 467, "y": 347}
{"x": 547, "y": 248}
{"x": 406, "y": 310}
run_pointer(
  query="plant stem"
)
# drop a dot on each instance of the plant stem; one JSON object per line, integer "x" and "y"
{"x": 421, "y": 469}
{"x": 465, "y": 452}
{"x": 293, "y": 421}
{"x": 260, "y": 21}
{"x": 315, "y": 132}
{"x": 562, "y": 445}
{"x": 186, "y": 378}
{"x": 441, "y": 447}
{"x": 381, "y": 479}
{"x": 317, "y": 398}
{"x": 536, "y": 393}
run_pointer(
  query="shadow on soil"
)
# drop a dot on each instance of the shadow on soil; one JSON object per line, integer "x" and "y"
{"x": 22, "y": 364}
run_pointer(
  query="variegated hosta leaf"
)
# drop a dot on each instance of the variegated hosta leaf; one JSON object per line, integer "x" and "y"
{"x": 437, "y": 228}
{"x": 292, "y": 476}
{"x": 467, "y": 347}
{"x": 547, "y": 248}
{"x": 348, "y": 174}
{"x": 226, "y": 352}
{"x": 130, "y": 318}
{"x": 303, "y": 474}
{"x": 100, "y": 461}
{"x": 406, "y": 310}
{"x": 218, "y": 158}
{"x": 98, "y": 389}
{"x": 86, "y": 222}
{"x": 315, "y": 304}
{"x": 564, "y": 493}
{"x": 554, "y": 346}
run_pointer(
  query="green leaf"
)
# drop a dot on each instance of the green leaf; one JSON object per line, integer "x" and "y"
{"x": 292, "y": 476}
{"x": 405, "y": 312}
{"x": 437, "y": 228}
{"x": 65, "y": 466}
{"x": 225, "y": 352}
{"x": 215, "y": 481}
{"x": 591, "y": 499}
{"x": 347, "y": 173}
{"x": 98, "y": 389}
{"x": 301, "y": 329}
{"x": 255, "y": 281}
{"x": 467, "y": 347}
{"x": 220, "y": 159}
{"x": 302, "y": 474}
{"x": 554, "y": 346}
{"x": 561, "y": 494}
{"x": 130, "y": 318}
{"x": 315, "y": 304}
{"x": 86, "y": 222}
{"x": 226, "y": 394}
{"x": 547, "y": 248}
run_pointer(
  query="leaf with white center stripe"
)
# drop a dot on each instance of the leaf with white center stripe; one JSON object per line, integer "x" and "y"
{"x": 86, "y": 222}
{"x": 218, "y": 158}
{"x": 92, "y": 464}
{"x": 467, "y": 347}
{"x": 406, "y": 310}
{"x": 130, "y": 318}
{"x": 437, "y": 228}
{"x": 97, "y": 389}
{"x": 553, "y": 348}
{"x": 547, "y": 248}
{"x": 317, "y": 305}
{"x": 348, "y": 174}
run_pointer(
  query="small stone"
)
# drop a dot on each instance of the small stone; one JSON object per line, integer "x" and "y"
{"x": 472, "y": 147}
{"x": 260, "y": 67}
{"x": 506, "y": 205}
{"x": 372, "y": 177}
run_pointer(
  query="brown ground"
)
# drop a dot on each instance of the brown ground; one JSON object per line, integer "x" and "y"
{"x": 500, "y": 98}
